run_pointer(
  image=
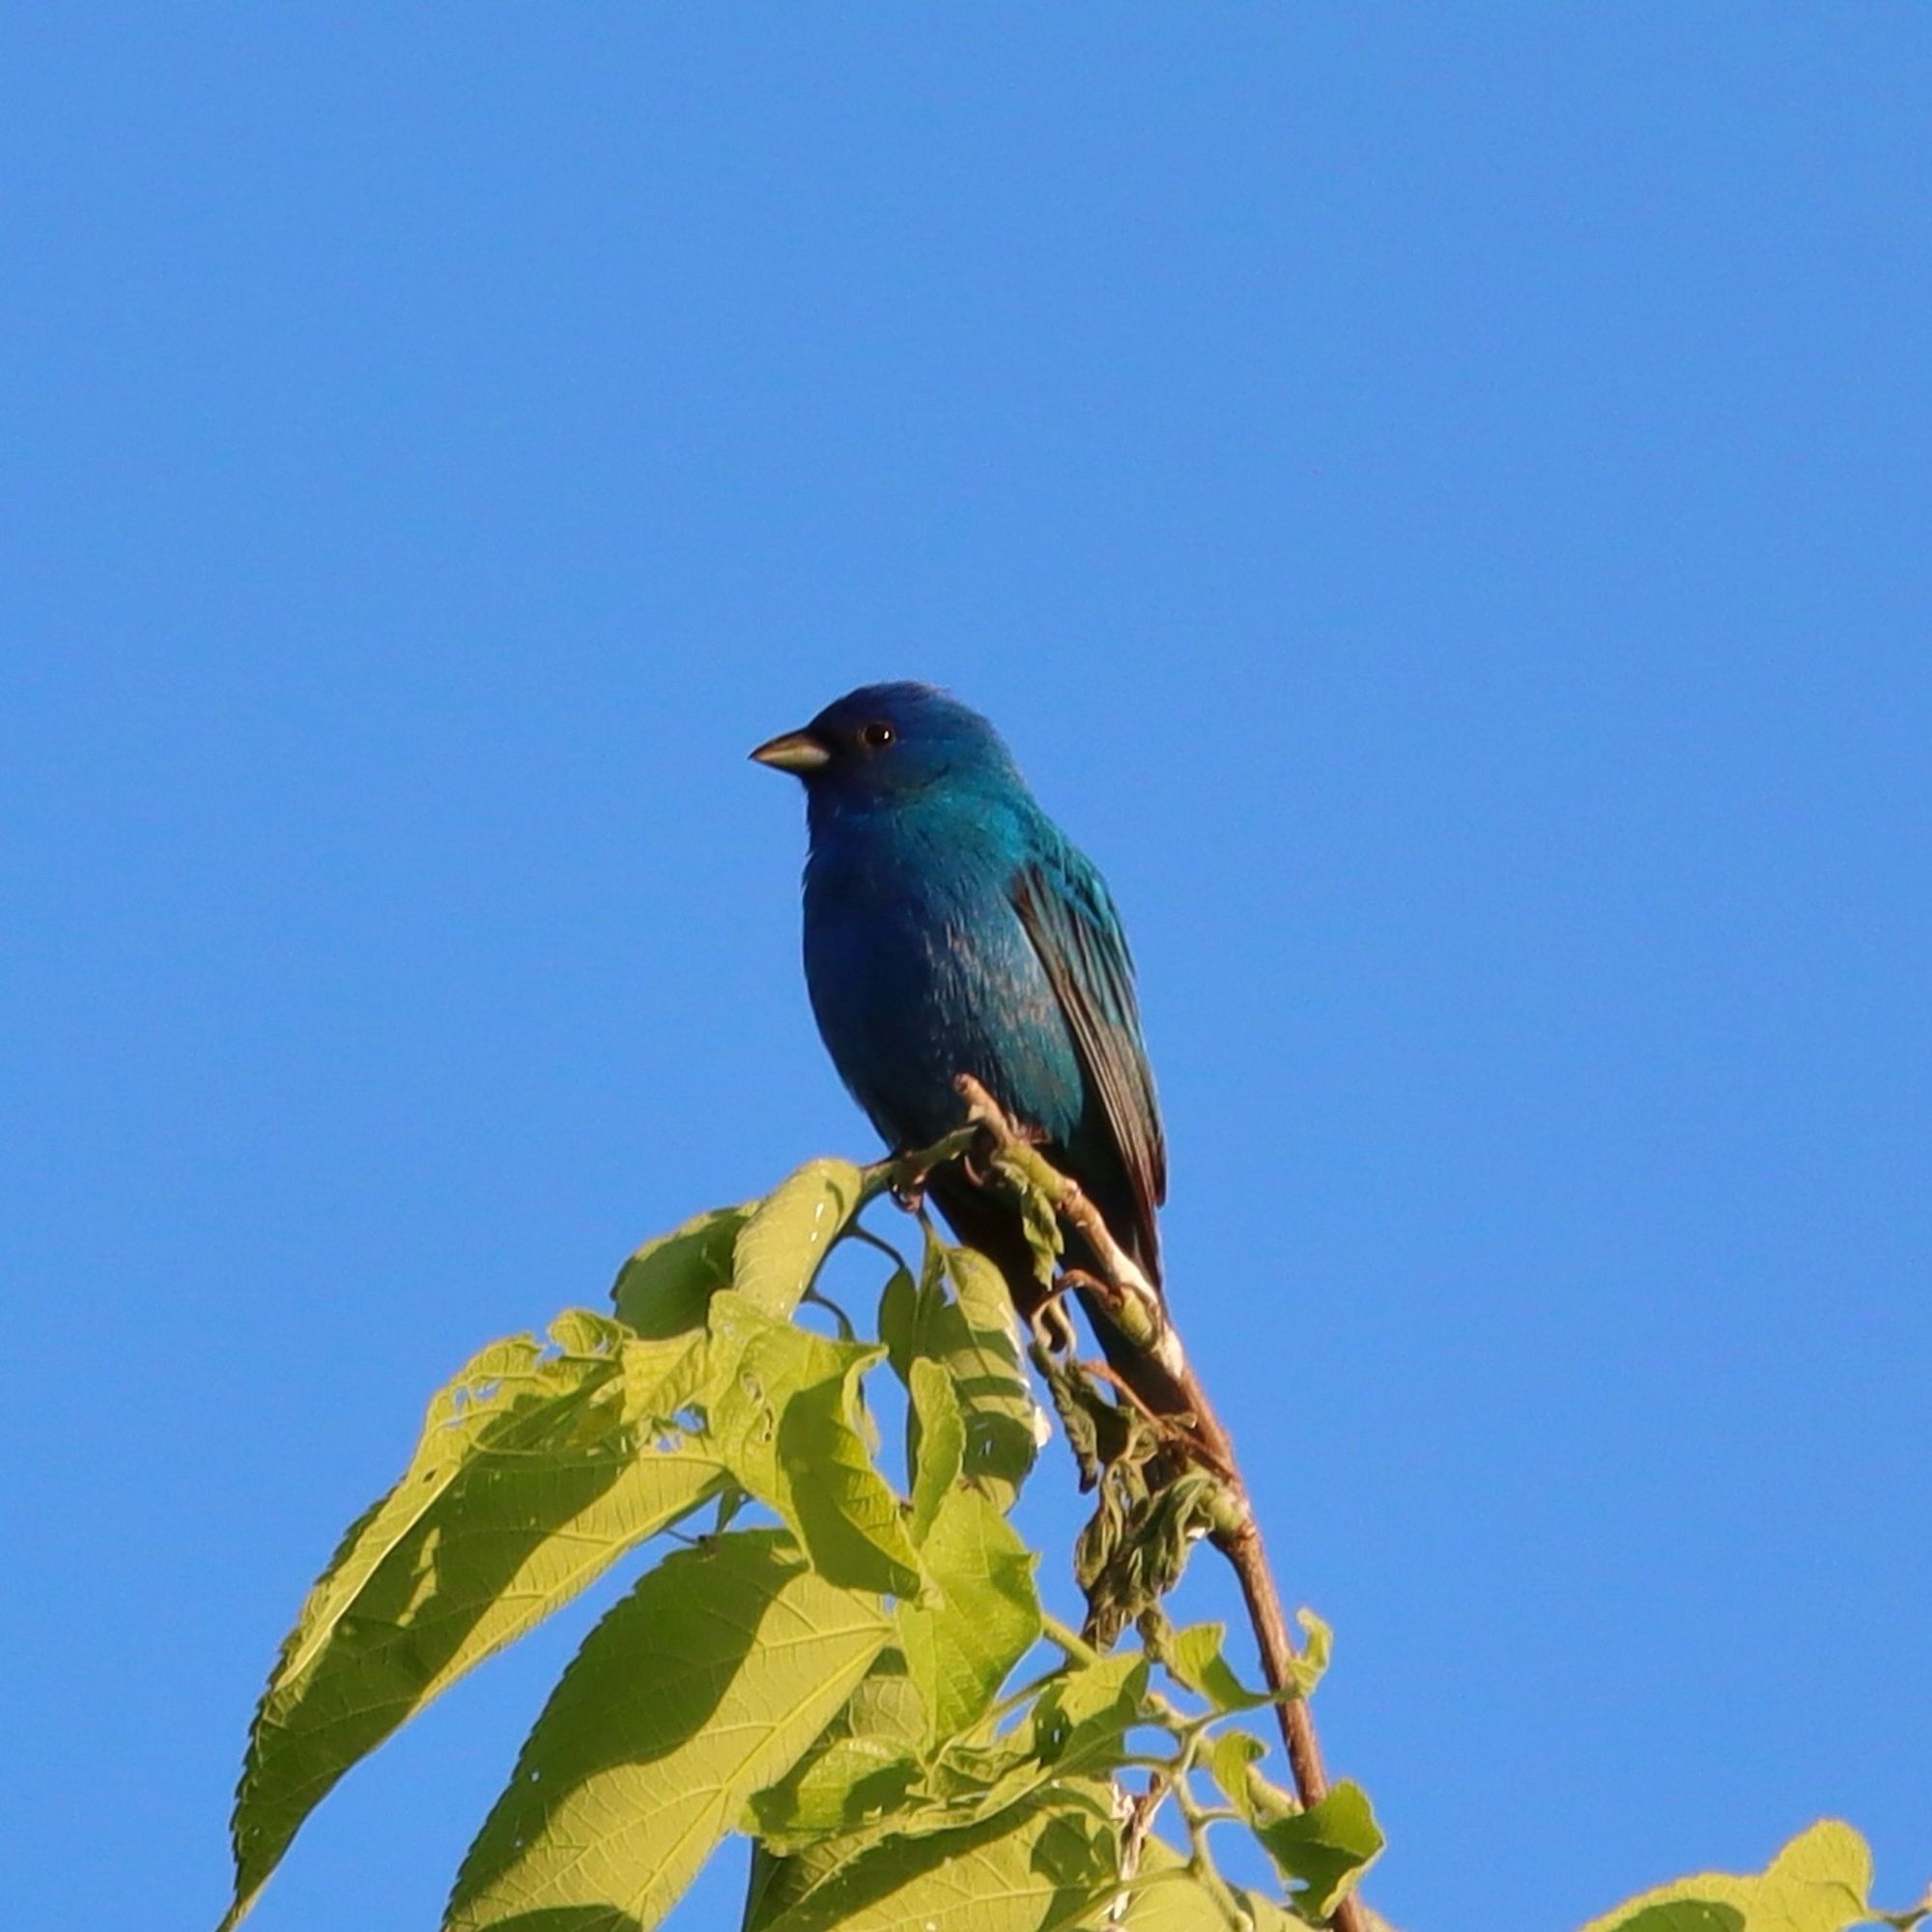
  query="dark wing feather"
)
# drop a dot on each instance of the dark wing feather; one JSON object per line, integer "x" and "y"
{"x": 1064, "y": 906}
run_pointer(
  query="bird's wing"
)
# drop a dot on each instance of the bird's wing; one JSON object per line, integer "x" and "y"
{"x": 1064, "y": 906}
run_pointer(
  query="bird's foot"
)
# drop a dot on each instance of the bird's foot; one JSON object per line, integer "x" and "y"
{"x": 909, "y": 1180}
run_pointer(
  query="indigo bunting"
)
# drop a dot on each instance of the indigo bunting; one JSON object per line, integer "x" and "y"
{"x": 950, "y": 927}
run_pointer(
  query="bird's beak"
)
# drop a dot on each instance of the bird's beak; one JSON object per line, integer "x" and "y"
{"x": 795, "y": 752}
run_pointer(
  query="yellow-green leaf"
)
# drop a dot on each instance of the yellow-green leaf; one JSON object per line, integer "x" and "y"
{"x": 784, "y": 1419}
{"x": 970, "y": 1333}
{"x": 979, "y": 1617}
{"x": 666, "y": 1287}
{"x": 537, "y": 1469}
{"x": 1323, "y": 1850}
{"x": 1178, "y": 1902}
{"x": 702, "y": 1686}
{"x": 858, "y": 1772}
{"x": 1231, "y": 1757}
{"x": 1046, "y": 1865}
{"x": 1194, "y": 1657}
{"x": 1081, "y": 1717}
{"x": 940, "y": 1451}
{"x": 1820, "y": 1882}
{"x": 1685, "y": 1915}
{"x": 782, "y": 1245}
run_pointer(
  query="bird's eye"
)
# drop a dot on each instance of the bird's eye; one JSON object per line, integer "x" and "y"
{"x": 877, "y": 735}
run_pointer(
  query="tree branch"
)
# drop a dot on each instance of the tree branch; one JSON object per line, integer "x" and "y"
{"x": 1141, "y": 1314}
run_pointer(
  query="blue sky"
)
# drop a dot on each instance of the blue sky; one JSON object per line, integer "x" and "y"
{"x": 1438, "y": 498}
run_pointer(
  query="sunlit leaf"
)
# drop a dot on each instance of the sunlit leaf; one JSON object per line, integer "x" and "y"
{"x": 940, "y": 1451}
{"x": 1323, "y": 1850}
{"x": 1230, "y": 1760}
{"x": 1820, "y": 1882}
{"x": 538, "y": 1467}
{"x": 1195, "y": 1658}
{"x": 1268, "y": 1917}
{"x": 1077, "y": 1725}
{"x": 704, "y": 1684}
{"x": 1046, "y": 1865}
{"x": 979, "y": 1617}
{"x": 1311, "y": 1665}
{"x": 857, "y": 1774}
{"x": 782, "y": 1245}
{"x": 1685, "y": 1915}
{"x": 784, "y": 1420}
{"x": 1178, "y": 1902}
{"x": 1081, "y": 1716}
{"x": 666, "y": 1287}
{"x": 959, "y": 1316}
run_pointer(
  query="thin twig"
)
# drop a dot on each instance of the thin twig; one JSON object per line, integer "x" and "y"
{"x": 859, "y": 1233}
{"x": 1170, "y": 1428}
{"x": 1150, "y": 1329}
{"x": 905, "y": 1174}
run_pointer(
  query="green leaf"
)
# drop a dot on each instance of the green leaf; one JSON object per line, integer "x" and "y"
{"x": 885, "y": 1709}
{"x": 1820, "y": 1882}
{"x": 1686, "y": 1915}
{"x": 537, "y": 1469}
{"x": 1322, "y": 1851}
{"x": 704, "y": 1684}
{"x": 1080, "y": 1718}
{"x": 1230, "y": 1761}
{"x": 666, "y": 1287}
{"x": 784, "y": 1420}
{"x": 970, "y": 1334}
{"x": 886, "y": 1703}
{"x": 1076, "y": 1730}
{"x": 1273, "y": 1917}
{"x": 858, "y": 1772}
{"x": 941, "y": 1450}
{"x": 1194, "y": 1657}
{"x": 853, "y": 1783}
{"x": 1046, "y": 1865}
{"x": 1180, "y": 1903}
{"x": 781, "y": 1249}
{"x": 777, "y": 1882}
{"x": 1177, "y": 1903}
{"x": 1311, "y": 1665}
{"x": 980, "y": 1616}
{"x": 1268, "y": 1917}
{"x": 1078, "y": 1725}
{"x": 898, "y": 1317}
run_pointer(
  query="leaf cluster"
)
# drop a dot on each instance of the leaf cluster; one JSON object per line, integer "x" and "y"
{"x": 849, "y": 1661}
{"x": 849, "y": 1664}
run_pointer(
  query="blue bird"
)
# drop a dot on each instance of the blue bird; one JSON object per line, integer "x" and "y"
{"x": 952, "y": 927}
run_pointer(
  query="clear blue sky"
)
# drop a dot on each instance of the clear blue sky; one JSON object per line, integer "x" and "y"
{"x": 1438, "y": 497}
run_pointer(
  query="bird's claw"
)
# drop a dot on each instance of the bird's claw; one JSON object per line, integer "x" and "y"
{"x": 909, "y": 1180}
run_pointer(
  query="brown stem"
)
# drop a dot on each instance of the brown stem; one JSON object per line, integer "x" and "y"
{"x": 1176, "y": 1389}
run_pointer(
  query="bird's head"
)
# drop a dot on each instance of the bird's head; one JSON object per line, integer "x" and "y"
{"x": 885, "y": 742}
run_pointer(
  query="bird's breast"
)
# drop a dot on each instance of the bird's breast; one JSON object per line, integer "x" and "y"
{"x": 920, "y": 970}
